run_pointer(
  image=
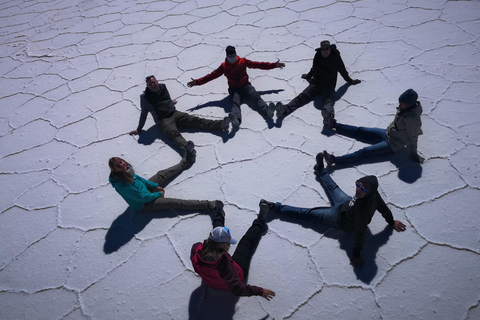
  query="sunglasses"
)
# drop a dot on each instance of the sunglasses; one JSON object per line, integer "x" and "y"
{"x": 361, "y": 187}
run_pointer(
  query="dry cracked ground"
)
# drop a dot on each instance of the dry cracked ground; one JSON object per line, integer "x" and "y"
{"x": 71, "y": 75}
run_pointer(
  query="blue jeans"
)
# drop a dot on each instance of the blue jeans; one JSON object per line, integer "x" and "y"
{"x": 325, "y": 215}
{"x": 378, "y": 136}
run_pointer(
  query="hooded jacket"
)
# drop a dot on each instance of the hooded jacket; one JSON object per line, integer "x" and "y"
{"x": 324, "y": 70}
{"x": 357, "y": 217}
{"x": 405, "y": 128}
{"x": 236, "y": 72}
{"x": 222, "y": 274}
{"x": 137, "y": 193}
{"x": 159, "y": 104}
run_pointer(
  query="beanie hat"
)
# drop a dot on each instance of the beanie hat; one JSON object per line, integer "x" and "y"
{"x": 222, "y": 234}
{"x": 409, "y": 97}
{"x": 325, "y": 44}
{"x": 230, "y": 50}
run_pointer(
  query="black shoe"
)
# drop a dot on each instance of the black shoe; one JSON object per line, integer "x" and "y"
{"x": 264, "y": 208}
{"x": 329, "y": 158}
{"x": 281, "y": 110}
{"x": 270, "y": 205}
{"x": 226, "y": 124}
{"x": 191, "y": 152}
{"x": 319, "y": 165}
{"x": 217, "y": 207}
{"x": 270, "y": 110}
{"x": 235, "y": 121}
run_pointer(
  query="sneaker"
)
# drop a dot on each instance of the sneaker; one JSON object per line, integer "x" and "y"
{"x": 270, "y": 205}
{"x": 264, "y": 208}
{"x": 226, "y": 124}
{"x": 270, "y": 110}
{"x": 281, "y": 110}
{"x": 234, "y": 120}
{"x": 218, "y": 208}
{"x": 329, "y": 158}
{"x": 319, "y": 165}
{"x": 191, "y": 152}
{"x": 329, "y": 122}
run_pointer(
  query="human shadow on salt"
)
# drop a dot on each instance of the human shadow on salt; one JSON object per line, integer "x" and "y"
{"x": 346, "y": 242}
{"x": 226, "y": 105}
{"x": 408, "y": 170}
{"x": 131, "y": 222}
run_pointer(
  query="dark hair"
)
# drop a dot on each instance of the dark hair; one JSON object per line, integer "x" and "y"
{"x": 126, "y": 176}
{"x": 149, "y": 77}
{"x": 212, "y": 250}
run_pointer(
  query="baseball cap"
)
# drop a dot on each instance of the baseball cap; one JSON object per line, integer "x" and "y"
{"x": 222, "y": 234}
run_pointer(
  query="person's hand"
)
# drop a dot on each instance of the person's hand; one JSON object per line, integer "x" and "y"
{"x": 356, "y": 81}
{"x": 191, "y": 83}
{"x": 268, "y": 294}
{"x": 133, "y": 132}
{"x": 305, "y": 76}
{"x": 160, "y": 189}
{"x": 357, "y": 262}
{"x": 399, "y": 226}
{"x": 417, "y": 158}
{"x": 174, "y": 101}
{"x": 279, "y": 64}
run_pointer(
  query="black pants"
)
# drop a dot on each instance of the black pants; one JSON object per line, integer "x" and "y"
{"x": 247, "y": 245}
{"x": 313, "y": 90}
{"x": 246, "y": 93}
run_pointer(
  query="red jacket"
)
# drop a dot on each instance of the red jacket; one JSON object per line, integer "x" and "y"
{"x": 223, "y": 274}
{"x": 236, "y": 72}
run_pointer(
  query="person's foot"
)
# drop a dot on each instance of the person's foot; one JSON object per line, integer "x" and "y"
{"x": 319, "y": 165}
{"x": 271, "y": 205}
{"x": 234, "y": 120}
{"x": 191, "y": 152}
{"x": 264, "y": 208}
{"x": 281, "y": 110}
{"x": 329, "y": 158}
{"x": 329, "y": 122}
{"x": 270, "y": 110}
{"x": 226, "y": 124}
{"x": 217, "y": 207}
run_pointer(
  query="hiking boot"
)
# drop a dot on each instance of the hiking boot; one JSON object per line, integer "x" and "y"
{"x": 270, "y": 110}
{"x": 270, "y": 205}
{"x": 217, "y": 207}
{"x": 319, "y": 165}
{"x": 281, "y": 110}
{"x": 329, "y": 158}
{"x": 191, "y": 152}
{"x": 264, "y": 208}
{"x": 329, "y": 122}
{"x": 234, "y": 120}
{"x": 226, "y": 124}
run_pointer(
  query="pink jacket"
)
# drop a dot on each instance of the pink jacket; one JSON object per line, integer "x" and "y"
{"x": 223, "y": 274}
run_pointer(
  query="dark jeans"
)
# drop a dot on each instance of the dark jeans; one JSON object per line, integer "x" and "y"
{"x": 169, "y": 126}
{"x": 325, "y": 215}
{"x": 378, "y": 136}
{"x": 246, "y": 93}
{"x": 313, "y": 90}
{"x": 170, "y": 203}
{"x": 247, "y": 245}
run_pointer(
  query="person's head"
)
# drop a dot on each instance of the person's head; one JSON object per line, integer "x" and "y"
{"x": 152, "y": 83}
{"x": 325, "y": 48}
{"x": 119, "y": 169}
{"x": 231, "y": 54}
{"x": 365, "y": 186}
{"x": 218, "y": 243}
{"x": 407, "y": 99}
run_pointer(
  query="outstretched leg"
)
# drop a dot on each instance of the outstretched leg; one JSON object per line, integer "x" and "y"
{"x": 178, "y": 204}
{"x": 247, "y": 245}
{"x": 334, "y": 193}
{"x": 190, "y": 121}
{"x": 302, "y": 99}
{"x": 163, "y": 175}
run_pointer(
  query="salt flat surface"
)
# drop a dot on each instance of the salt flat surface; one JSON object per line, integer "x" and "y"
{"x": 71, "y": 73}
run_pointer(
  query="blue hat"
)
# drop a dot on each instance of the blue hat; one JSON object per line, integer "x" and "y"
{"x": 222, "y": 234}
{"x": 409, "y": 97}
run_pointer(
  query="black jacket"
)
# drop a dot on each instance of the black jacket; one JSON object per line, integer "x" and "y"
{"x": 357, "y": 217}
{"x": 324, "y": 70}
{"x": 160, "y": 101}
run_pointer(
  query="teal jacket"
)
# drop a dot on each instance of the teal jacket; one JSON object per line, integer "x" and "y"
{"x": 136, "y": 193}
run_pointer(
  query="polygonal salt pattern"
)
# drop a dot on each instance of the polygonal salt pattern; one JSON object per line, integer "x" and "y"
{"x": 71, "y": 76}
